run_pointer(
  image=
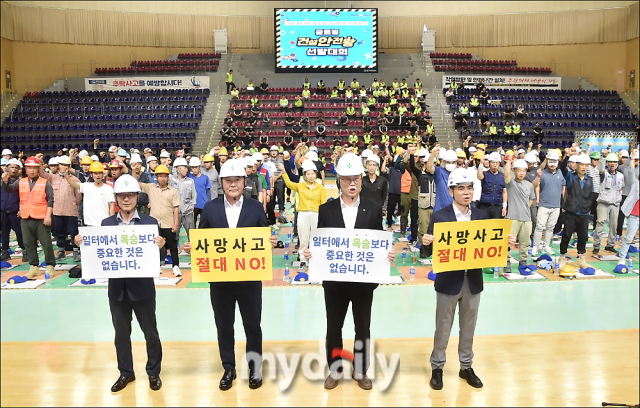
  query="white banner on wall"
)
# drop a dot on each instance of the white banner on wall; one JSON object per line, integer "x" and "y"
{"x": 499, "y": 81}
{"x": 165, "y": 82}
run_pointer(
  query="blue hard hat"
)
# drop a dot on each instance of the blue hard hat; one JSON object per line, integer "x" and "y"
{"x": 17, "y": 279}
{"x": 620, "y": 268}
{"x": 88, "y": 282}
{"x": 432, "y": 276}
{"x": 526, "y": 270}
{"x": 301, "y": 277}
{"x": 544, "y": 257}
{"x": 5, "y": 265}
{"x": 43, "y": 264}
{"x": 588, "y": 271}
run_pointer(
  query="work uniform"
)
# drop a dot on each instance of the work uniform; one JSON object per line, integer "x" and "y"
{"x": 491, "y": 198}
{"x": 9, "y": 208}
{"x": 611, "y": 185}
{"x": 188, "y": 196}
{"x": 65, "y": 209}
{"x": 163, "y": 201}
{"x": 580, "y": 194}
{"x": 426, "y": 196}
{"x": 309, "y": 199}
{"x": 245, "y": 213}
{"x": 127, "y": 295}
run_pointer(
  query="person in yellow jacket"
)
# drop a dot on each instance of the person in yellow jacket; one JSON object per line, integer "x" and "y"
{"x": 364, "y": 108}
{"x": 348, "y": 95}
{"x": 355, "y": 85}
{"x": 235, "y": 93}
{"x": 508, "y": 130}
{"x": 254, "y": 100}
{"x": 334, "y": 98}
{"x": 393, "y": 103}
{"x": 229, "y": 81}
{"x": 341, "y": 86}
{"x": 284, "y": 104}
{"x": 311, "y": 195}
{"x": 306, "y": 94}
{"x": 351, "y": 111}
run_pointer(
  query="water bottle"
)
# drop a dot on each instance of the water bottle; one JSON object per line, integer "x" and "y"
{"x": 412, "y": 273}
{"x": 289, "y": 235}
{"x": 496, "y": 272}
{"x": 286, "y": 255}
{"x": 404, "y": 255}
{"x": 508, "y": 267}
{"x": 286, "y": 246}
{"x": 286, "y": 277}
{"x": 47, "y": 278}
{"x": 557, "y": 267}
{"x": 630, "y": 263}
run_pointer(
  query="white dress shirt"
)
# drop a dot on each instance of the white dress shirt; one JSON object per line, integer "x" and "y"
{"x": 349, "y": 214}
{"x": 233, "y": 211}
{"x": 460, "y": 216}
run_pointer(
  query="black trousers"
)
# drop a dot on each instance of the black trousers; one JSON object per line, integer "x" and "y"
{"x": 414, "y": 219}
{"x": 8, "y": 222}
{"x": 594, "y": 209}
{"x": 279, "y": 194}
{"x": 121, "y": 316}
{"x": 560, "y": 222}
{"x": 63, "y": 227}
{"x": 230, "y": 85}
{"x": 494, "y": 212}
{"x": 248, "y": 295}
{"x": 621, "y": 218}
{"x": 336, "y": 305}
{"x": 171, "y": 244}
{"x": 271, "y": 205}
{"x": 580, "y": 225}
{"x": 392, "y": 202}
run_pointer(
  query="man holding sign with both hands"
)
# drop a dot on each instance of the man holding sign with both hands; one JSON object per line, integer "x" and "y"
{"x": 455, "y": 287}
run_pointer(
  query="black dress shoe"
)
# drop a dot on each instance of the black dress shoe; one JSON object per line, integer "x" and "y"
{"x": 155, "y": 383}
{"x": 471, "y": 377}
{"x": 436, "y": 379}
{"x": 610, "y": 249}
{"x": 227, "y": 379}
{"x": 122, "y": 382}
{"x": 423, "y": 251}
{"x": 255, "y": 379}
{"x": 5, "y": 256}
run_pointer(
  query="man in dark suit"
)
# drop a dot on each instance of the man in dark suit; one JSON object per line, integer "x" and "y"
{"x": 127, "y": 295}
{"x": 233, "y": 210}
{"x": 457, "y": 287}
{"x": 349, "y": 211}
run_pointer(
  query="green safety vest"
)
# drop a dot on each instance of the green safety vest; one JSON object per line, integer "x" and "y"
{"x": 363, "y": 92}
{"x": 414, "y": 101}
{"x": 392, "y": 92}
{"x": 454, "y": 85}
{"x": 393, "y": 101}
{"x": 395, "y": 85}
{"x": 306, "y": 92}
{"x": 355, "y": 85}
{"x": 507, "y": 130}
{"x": 464, "y": 110}
{"x": 320, "y": 85}
{"x": 367, "y": 138}
{"x": 430, "y": 129}
{"x": 375, "y": 85}
{"x": 341, "y": 84}
{"x": 417, "y": 85}
{"x": 417, "y": 110}
{"x": 474, "y": 102}
{"x": 229, "y": 77}
{"x": 365, "y": 110}
{"x": 376, "y": 93}
{"x": 353, "y": 138}
{"x": 254, "y": 101}
{"x": 400, "y": 139}
{"x": 348, "y": 93}
{"x": 371, "y": 101}
{"x": 384, "y": 138}
{"x": 298, "y": 103}
{"x": 235, "y": 93}
{"x": 284, "y": 102}
{"x": 351, "y": 110}
{"x": 402, "y": 109}
{"x": 493, "y": 130}
{"x": 306, "y": 85}
{"x": 516, "y": 129}
{"x": 387, "y": 110}
{"x": 334, "y": 94}
{"x": 405, "y": 94}
{"x": 384, "y": 92}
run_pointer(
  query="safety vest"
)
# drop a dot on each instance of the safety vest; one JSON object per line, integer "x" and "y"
{"x": 395, "y": 85}
{"x": 384, "y": 138}
{"x": 464, "y": 110}
{"x": 365, "y": 110}
{"x": 298, "y": 103}
{"x": 340, "y": 84}
{"x": 376, "y": 93}
{"x": 405, "y": 93}
{"x": 235, "y": 93}
{"x": 348, "y": 93}
{"x": 516, "y": 129}
{"x": 402, "y": 109}
{"x": 306, "y": 85}
{"x": 320, "y": 85}
{"x": 405, "y": 181}
{"x": 392, "y": 92}
{"x": 414, "y": 101}
{"x": 400, "y": 139}
{"x": 387, "y": 110}
{"x": 393, "y": 101}
{"x": 33, "y": 203}
{"x": 430, "y": 129}
{"x": 454, "y": 85}
{"x": 306, "y": 93}
{"x": 284, "y": 102}
{"x": 351, "y": 110}
{"x": 474, "y": 102}
{"x": 254, "y": 101}
{"x": 493, "y": 130}
{"x": 371, "y": 100}
{"x": 353, "y": 138}
{"x": 367, "y": 138}
{"x": 507, "y": 130}
{"x": 355, "y": 84}
{"x": 229, "y": 77}
{"x": 384, "y": 93}
{"x": 334, "y": 93}
{"x": 417, "y": 85}
{"x": 375, "y": 85}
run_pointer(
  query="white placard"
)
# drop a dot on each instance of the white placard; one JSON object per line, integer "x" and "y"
{"x": 506, "y": 81}
{"x": 120, "y": 251}
{"x": 346, "y": 255}
{"x": 164, "y": 82}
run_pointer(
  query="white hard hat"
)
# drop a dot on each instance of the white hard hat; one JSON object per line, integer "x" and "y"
{"x": 458, "y": 150}
{"x": 136, "y": 151}
{"x": 274, "y": 147}
{"x": 83, "y": 154}
{"x": 308, "y": 165}
{"x": 520, "y": 164}
{"x": 6, "y": 151}
{"x": 461, "y": 176}
{"x": 249, "y": 162}
{"x": 472, "y": 149}
{"x": 233, "y": 168}
{"x": 365, "y": 153}
{"x": 374, "y": 158}
{"x": 534, "y": 151}
{"x": 624, "y": 153}
{"x": 53, "y": 161}
{"x": 573, "y": 158}
{"x": 313, "y": 149}
{"x": 151, "y": 158}
{"x": 520, "y": 151}
{"x": 579, "y": 150}
{"x": 257, "y": 156}
{"x": 423, "y": 152}
{"x": 553, "y": 155}
{"x": 495, "y": 157}
{"x": 441, "y": 154}
{"x": 194, "y": 162}
{"x": 584, "y": 159}
{"x": 112, "y": 148}
{"x": 95, "y": 158}
{"x": 450, "y": 156}
{"x": 375, "y": 147}
{"x": 313, "y": 156}
{"x": 531, "y": 158}
{"x": 15, "y": 161}
{"x": 135, "y": 158}
{"x": 64, "y": 160}
{"x": 165, "y": 154}
{"x": 349, "y": 165}
{"x": 180, "y": 161}
{"x": 126, "y": 184}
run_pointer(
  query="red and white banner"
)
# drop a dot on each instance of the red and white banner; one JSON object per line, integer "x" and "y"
{"x": 499, "y": 81}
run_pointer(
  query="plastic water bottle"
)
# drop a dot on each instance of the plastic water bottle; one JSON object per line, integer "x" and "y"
{"x": 286, "y": 277}
{"x": 47, "y": 278}
{"x": 630, "y": 264}
{"x": 286, "y": 255}
{"x": 412, "y": 273}
{"x": 404, "y": 255}
{"x": 496, "y": 272}
{"x": 508, "y": 267}
{"x": 286, "y": 246}
{"x": 556, "y": 268}
{"x": 289, "y": 235}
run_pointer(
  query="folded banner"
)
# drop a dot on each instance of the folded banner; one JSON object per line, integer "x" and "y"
{"x": 345, "y": 255}
{"x": 120, "y": 251}
{"x": 470, "y": 245}
{"x": 230, "y": 254}
{"x": 131, "y": 83}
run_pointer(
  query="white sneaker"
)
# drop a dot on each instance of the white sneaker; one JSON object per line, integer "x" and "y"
{"x": 534, "y": 250}
{"x": 549, "y": 250}
{"x": 183, "y": 253}
{"x": 177, "y": 271}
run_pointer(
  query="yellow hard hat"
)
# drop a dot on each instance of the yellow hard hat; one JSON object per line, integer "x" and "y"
{"x": 462, "y": 154}
{"x": 479, "y": 155}
{"x": 207, "y": 158}
{"x": 568, "y": 270}
{"x": 264, "y": 151}
{"x": 482, "y": 146}
{"x": 95, "y": 167}
{"x": 86, "y": 160}
{"x": 162, "y": 169}
{"x": 559, "y": 152}
{"x": 223, "y": 152}
{"x": 509, "y": 152}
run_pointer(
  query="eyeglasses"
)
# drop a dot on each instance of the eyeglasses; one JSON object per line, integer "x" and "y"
{"x": 350, "y": 180}
{"x": 464, "y": 189}
{"x": 129, "y": 196}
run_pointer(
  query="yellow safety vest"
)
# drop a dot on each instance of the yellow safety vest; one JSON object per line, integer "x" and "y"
{"x": 474, "y": 102}
{"x": 516, "y": 129}
{"x": 351, "y": 110}
{"x": 306, "y": 85}
{"x": 229, "y": 77}
{"x": 334, "y": 94}
{"x": 284, "y": 102}
{"x": 493, "y": 130}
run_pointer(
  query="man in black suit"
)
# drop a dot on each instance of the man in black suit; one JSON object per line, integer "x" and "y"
{"x": 349, "y": 211}
{"x": 127, "y": 295}
{"x": 233, "y": 210}
{"x": 457, "y": 287}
